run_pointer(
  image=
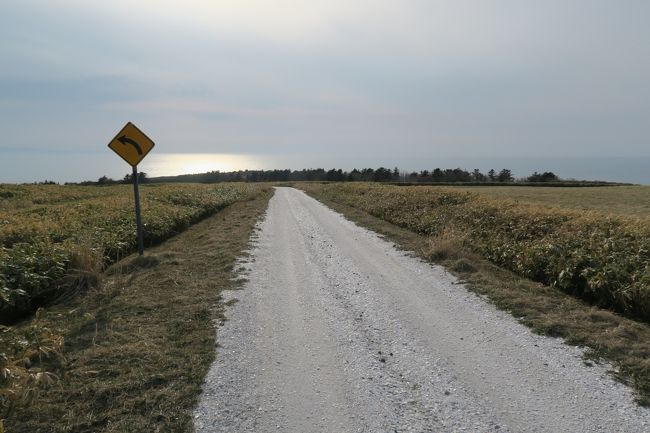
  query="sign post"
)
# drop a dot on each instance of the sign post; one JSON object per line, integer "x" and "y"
{"x": 138, "y": 217}
{"x": 132, "y": 145}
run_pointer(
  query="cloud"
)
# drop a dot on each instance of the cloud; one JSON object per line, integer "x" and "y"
{"x": 352, "y": 78}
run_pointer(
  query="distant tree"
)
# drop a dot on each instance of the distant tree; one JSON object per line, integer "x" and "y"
{"x": 505, "y": 175}
{"x": 310, "y": 174}
{"x": 383, "y": 175}
{"x": 492, "y": 175}
{"x": 457, "y": 175}
{"x": 104, "y": 180}
{"x": 547, "y": 176}
{"x": 368, "y": 174}
{"x": 478, "y": 176}
{"x": 335, "y": 175}
{"x": 142, "y": 177}
{"x": 354, "y": 175}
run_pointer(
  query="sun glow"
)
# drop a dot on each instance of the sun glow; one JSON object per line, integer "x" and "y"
{"x": 289, "y": 21}
{"x": 172, "y": 164}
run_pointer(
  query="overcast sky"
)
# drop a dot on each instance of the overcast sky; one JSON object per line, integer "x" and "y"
{"x": 348, "y": 83}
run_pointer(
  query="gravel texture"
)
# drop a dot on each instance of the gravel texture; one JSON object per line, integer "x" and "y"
{"x": 336, "y": 330}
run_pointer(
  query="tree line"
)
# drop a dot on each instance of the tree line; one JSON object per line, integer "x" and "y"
{"x": 380, "y": 174}
{"x": 105, "y": 180}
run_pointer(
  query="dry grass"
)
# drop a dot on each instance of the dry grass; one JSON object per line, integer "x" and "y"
{"x": 447, "y": 245}
{"x": 53, "y": 237}
{"x": 619, "y": 200}
{"x": 137, "y": 350}
{"x": 546, "y": 310}
{"x": 29, "y": 357}
{"x": 84, "y": 270}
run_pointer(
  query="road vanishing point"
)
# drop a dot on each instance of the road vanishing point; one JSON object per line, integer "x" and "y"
{"x": 336, "y": 330}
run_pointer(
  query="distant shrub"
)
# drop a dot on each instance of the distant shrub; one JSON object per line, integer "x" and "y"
{"x": 547, "y": 176}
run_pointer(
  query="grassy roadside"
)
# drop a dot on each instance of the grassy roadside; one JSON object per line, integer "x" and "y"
{"x": 622, "y": 342}
{"x": 133, "y": 354}
{"x": 54, "y": 236}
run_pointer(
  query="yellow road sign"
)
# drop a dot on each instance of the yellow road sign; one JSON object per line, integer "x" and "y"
{"x": 131, "y": 144}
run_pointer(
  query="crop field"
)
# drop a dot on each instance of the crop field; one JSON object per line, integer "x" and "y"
{"x": 620, "y": 200}
{"x": 598, "y": 257}
{"x": 55, "y": 239}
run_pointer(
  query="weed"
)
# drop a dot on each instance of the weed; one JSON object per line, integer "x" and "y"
{"x": 444, "y": 246}
{"x": 463, "y": 266}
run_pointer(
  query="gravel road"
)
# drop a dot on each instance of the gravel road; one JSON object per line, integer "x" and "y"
{"x": 338, "y": 331}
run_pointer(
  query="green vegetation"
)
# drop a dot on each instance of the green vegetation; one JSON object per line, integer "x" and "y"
{"x": 55, "y": 239}
{"x": 623, "y": 342}
{"x": 604, "y": 260}
{"x": 131, "y": 354}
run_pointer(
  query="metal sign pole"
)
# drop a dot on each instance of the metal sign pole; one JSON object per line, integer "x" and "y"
{"x": 138, "y": 219}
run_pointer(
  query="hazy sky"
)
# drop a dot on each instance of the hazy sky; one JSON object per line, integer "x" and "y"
{"x": 346, "y": 83}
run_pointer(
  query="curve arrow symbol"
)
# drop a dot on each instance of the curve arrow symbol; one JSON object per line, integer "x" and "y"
{"x": 125, "y": 140}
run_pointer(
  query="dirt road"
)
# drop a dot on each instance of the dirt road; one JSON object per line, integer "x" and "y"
{"x": 337, "y": 331}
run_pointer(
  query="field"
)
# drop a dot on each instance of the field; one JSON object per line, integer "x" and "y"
{"x": 109, "y": 352}
{"x": 56, "y": 239}
{"x": 621, "y": 200}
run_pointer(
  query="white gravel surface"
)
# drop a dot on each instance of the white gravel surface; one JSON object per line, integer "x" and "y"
{"x": 338, "y": 331}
